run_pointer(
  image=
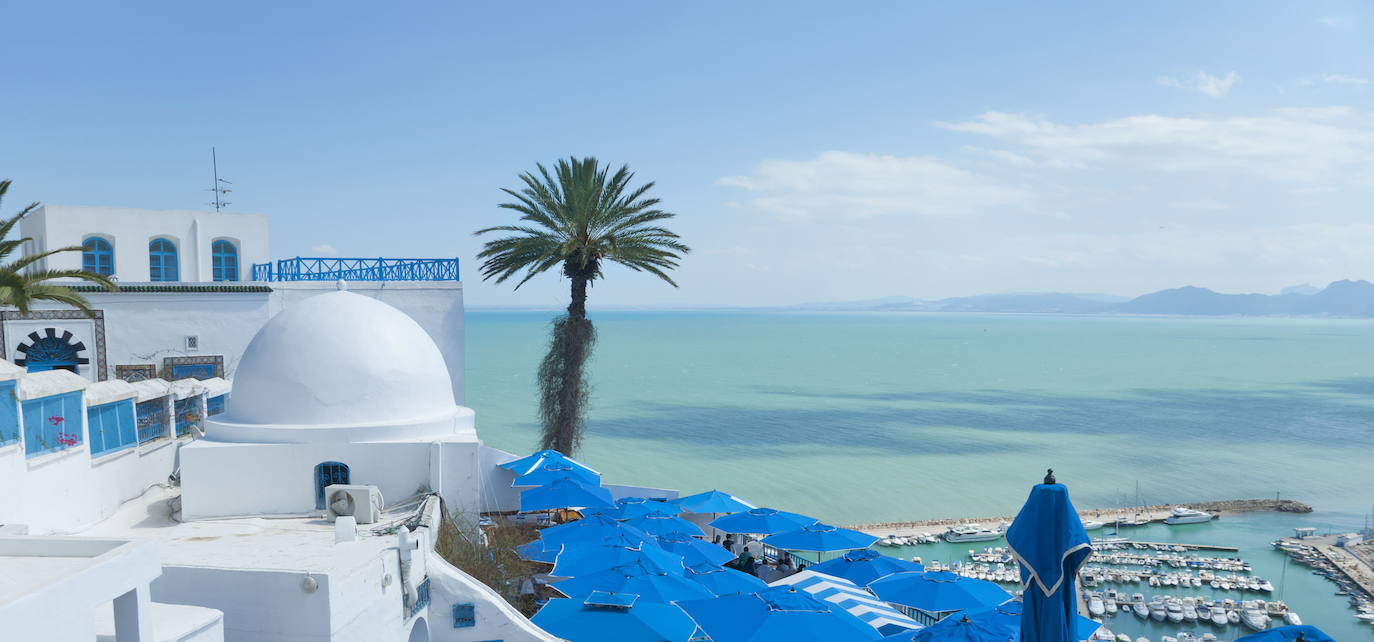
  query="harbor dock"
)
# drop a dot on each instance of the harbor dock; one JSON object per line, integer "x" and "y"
{"x": 1153, "y": 513}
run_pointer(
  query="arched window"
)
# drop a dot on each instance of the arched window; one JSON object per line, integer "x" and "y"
{"x": 224, "y": 261}
{"x": 326, "y": 474}
{"x": 162, "y": 261}
{"x": 97, "y": 255}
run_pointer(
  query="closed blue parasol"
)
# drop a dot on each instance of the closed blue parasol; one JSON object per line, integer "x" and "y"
{"x": 564, "y": 493}
{"x": 820, "y": 538}
{"x": 662, "y": 523}
{"x": 724, "y": 581}
{"x": 938, "y": 591}
{"x": 712, "y": 501}
{"x": 634, "y": 578}
{"x": 776, "y": 614}
{"x": 602, "y": 618}
{"x": 693, "y": 550}
{"x": 1048, "y": 540}
{"x": 1304, "y": 632}
{"x": 550, "y": 471}
{"x": 583, "y": 557}
{"x": 761, "y": 521}
{"x": 862, "y": 567}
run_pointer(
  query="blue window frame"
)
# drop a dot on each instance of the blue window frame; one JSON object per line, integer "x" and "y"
{"x": 224, "y": 258}
{"x": 9, "y": 413}
{"x": 52, "y": 423}
{"x": 97, "y": 256}
{"x": 187, "y": 414}
{"x": 112, "y": 426}
{"x": 162, "y": 261}
{"x": 326, "y": 474}
{"x": 215, "y": 405}
{"x": 152, "y": 419}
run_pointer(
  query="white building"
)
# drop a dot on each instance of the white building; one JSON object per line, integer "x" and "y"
{"x": 118, "y": 510}
{"x": 194, "y": 288}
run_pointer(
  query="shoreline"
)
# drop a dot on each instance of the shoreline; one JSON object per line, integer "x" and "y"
{"x": 1155, "y": 513}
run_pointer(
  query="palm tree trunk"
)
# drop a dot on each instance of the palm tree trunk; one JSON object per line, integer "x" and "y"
{"x": 577, "y": 308}
{"x": 562, "y": 381}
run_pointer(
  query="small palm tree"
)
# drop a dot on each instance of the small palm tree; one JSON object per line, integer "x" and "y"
{"x": 21, "y": 284}
{"x": 577, "y": 218}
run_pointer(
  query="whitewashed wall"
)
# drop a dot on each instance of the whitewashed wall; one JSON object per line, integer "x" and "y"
{"x": 258, "y": 605}
{"x": 130, "y": 231}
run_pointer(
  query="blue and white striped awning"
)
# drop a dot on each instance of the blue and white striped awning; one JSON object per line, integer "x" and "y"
{"x": 852, "y": 598}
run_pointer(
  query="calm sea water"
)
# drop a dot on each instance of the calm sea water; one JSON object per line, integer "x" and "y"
{"x": 886, "y": 416}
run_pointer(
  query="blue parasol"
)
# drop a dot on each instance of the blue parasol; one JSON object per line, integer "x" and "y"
{"x": 583, "y": 557}
{"x": 1304, "y": 632}
{"x": 662, "y": 523}
{"x": 820, "y": 538}
{"x": 862, "y": 567}
{"x": 550, "y": 471}
{"x": 724, "y": 581}
{"x": 761, "y": 521}
{"x": 634, "y": 578}
{"x": 712, "y": 501}
{"x": 938, "y": 591}
{"x": 780, "y": 613}
{"x": 604, "y": 618}
{"x": 694, "y": 551}
{"x": 1048, "y": 540}
{"x": 564, "y": 493}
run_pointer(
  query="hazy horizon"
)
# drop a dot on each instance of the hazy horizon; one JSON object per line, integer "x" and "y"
{"x": 813, "y": 152}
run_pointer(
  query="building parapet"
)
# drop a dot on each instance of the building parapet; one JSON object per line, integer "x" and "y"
{"x": 356, "y": 269}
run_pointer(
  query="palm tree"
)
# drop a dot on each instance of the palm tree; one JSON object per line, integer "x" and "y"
{"x": 577, "y": 218}
{"x": 21, "y": 283}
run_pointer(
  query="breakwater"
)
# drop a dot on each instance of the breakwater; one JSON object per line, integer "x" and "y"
{"x": 1152, "y": 513}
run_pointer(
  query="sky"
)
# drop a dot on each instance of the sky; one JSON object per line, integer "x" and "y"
{"x": 813, "y": 151}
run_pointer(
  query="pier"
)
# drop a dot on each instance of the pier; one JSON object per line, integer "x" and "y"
{"x": 1350, "y": 562}
{"x": 1153, "y": 513}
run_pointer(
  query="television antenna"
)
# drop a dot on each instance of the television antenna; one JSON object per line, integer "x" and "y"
{"x": 218, "y": 187}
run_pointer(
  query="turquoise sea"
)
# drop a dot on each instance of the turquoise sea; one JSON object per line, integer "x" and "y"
{"x": 873, "y": 417}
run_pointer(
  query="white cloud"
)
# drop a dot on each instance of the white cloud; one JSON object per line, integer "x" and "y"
{"x": 1314, "y": 147}
{"x": 1214, "y": 86}
{"x": 846, "y": 185}
{"x": 1335, "y": 79}
{"x": 325, "y": 250}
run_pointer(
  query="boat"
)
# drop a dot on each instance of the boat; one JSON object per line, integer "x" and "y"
{"x": 1232, "y": 617}
{"x": 1174, "y": 611}
{"x": 1254, "y": 618}
{"x": 1092, "y": 525}
{"x": 1219, "y": 616}
{"x": 971, "y": 533}
{"x": 1189, "y": 612}
{"x": 1122, "y": 637}
{"x": 1157, "y": 610}
{"x": 1292, "y": 619}
{"x": 1095, "y": 605}
{"x": 1185, "y": 515}
{"x": 1204, "y": 612}
{"x": 1187, "y": 636}
{"x": 1138, "y": 607}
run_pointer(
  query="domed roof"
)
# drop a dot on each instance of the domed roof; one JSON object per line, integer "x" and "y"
{"x": 340, "y": 359}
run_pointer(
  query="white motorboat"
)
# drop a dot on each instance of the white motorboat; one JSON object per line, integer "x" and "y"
{"x": 1095, "y": 605}
{"x": 1254, "y": 618}
{"x": 1092, "y": 525}
{"x": 1122, "y": 637}
{"x": 1204, "y": 612}
{"x": 971, "y": 533}
{"x": 1186, "y": 636}
{"x": 1138, "y": 607}
{"x": 1292, "y": 618}
{"x": 1232, "y": 617}
{"x": 1220, "y": 616}
{"x": 1174, "y": 611}
{"x": 1157, "y": 610}
{"x": 1185, "y": 515}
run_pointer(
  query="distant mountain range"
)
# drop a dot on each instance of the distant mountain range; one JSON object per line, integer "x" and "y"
{"x": 1340, "y": 299}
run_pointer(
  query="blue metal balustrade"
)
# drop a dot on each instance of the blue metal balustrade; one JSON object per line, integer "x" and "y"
{"x": 378, "y": 269}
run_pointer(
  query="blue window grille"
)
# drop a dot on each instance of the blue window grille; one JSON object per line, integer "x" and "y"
{"x": 9, "y": 413}
{"x": 327, "y": 474}
{"x": 464, "y": 615}
{"x": 52, "y": 423}
{"x": 421, "y": 599}
{"x": 97, "y": 255}
{"x": 224, "y": 261}
{"x": 201, "y": 371}
{"x": 162, "y": 261}
{"x": 152, "y": 419}
{"x": 215, "y": 405}
{"x": 112, "y": 426}
{"x": 361, "y": 269}
{"x": 187, "y": 414}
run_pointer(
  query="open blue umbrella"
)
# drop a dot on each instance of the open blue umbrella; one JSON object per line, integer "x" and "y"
{"x": 938, "y": 591}
{"x": 724, "y": 581}
{"x": 1048, "y": 540}
{"x": 524, "y": 464}
{"x": 583, "y": 557}
{"x": 961, "y": 628}
{"x": 1304, "y": 632}
{"x": 602, "y": 618}
{"x": 776, "y": 614}
{"x": 564, "y": 493}
{"x": 694, "y": 551}
{"x": 864, "y": 566}
{"x": 662, "y": 523}
{"x": 634, "y": 578}
{"x": 1006, "y": 617}
{"x": 712, "y": 501}
{"x": 820, "y": 538}
{"x": 761, "y": 521}
{"x": 589, "y": 526}
{"x": 537, "y": 551}
{"x": 550, "y": 471}
{"x": 632, "y": 507}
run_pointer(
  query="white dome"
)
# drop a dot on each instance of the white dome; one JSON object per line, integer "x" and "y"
{"x": 337, "y": 360}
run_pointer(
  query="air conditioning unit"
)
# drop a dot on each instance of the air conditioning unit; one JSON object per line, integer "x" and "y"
{"x": 362, "y": 503}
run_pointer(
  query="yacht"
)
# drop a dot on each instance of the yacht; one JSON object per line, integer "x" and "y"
{"x": 1292, "y": 619}
{"x": 1092, "y": 525}
{"x": 1220, "y": 616}
{"x": 1157, "y": 610}
{"x": 1138, "y": 606}
{"x": 1254, "y": 618}
{"x": 971, "y": 533}
{"x": 1173, "y": 610}
{"x": 1185, "y": 515}
{"x": 1095, "y": 605}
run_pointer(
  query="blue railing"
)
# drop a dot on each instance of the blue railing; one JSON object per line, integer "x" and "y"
{"x": 378, "y": 269}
